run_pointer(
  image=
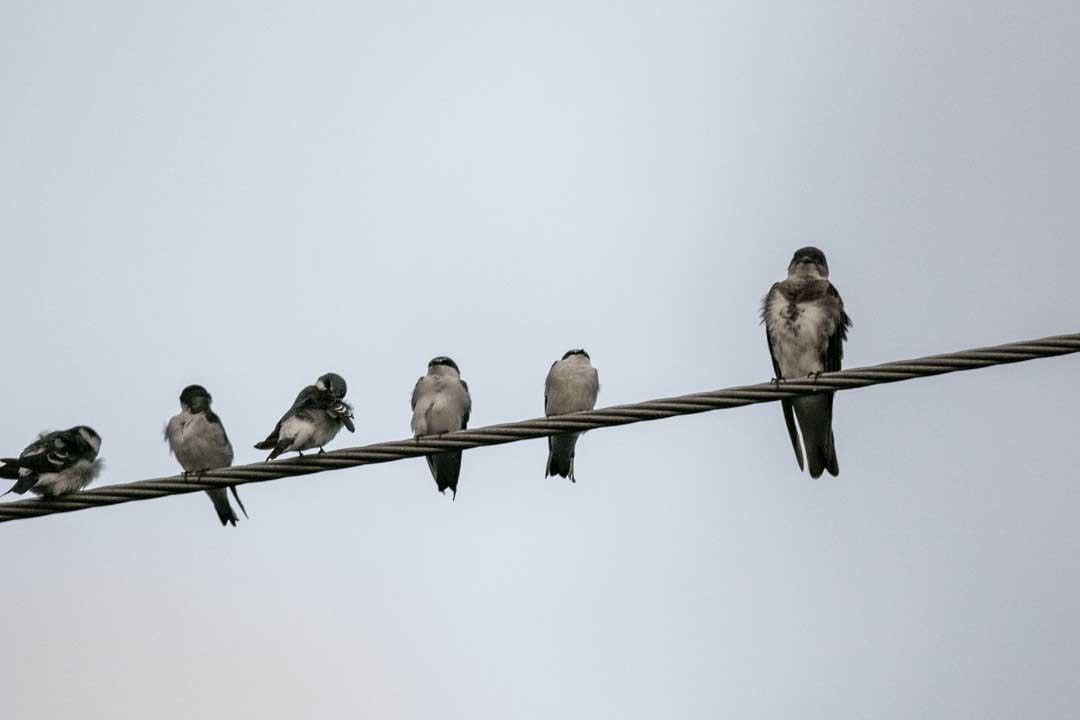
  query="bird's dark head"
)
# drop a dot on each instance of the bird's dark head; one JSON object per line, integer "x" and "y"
{"x": 445, "y": 362}
{"x": 88, "y": 436}
{"x": 809, "y": 261}
{"x": 334, "y": 384}
{"x": 578, "y": 351}
{"x": 195, "y": 398}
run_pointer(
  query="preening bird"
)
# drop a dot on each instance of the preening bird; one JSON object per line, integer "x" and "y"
{"x": 572, "y": 385}
{"x": 56, "y": 463}
{"x": 806, "y": 326}
{"x": 315, "y": 418}
{"x": 441, "y": 404}
{"x": 198, "y": 440}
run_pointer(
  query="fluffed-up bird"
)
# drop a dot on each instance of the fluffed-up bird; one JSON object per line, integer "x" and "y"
{"x": 315, "y": 418}
{"x": 441, "y": 404}
{"x": 56, "y": 463}
{"x": 572, "y": 385}
{"x": 198, "y": 440}
{"x": 806, "y": 326}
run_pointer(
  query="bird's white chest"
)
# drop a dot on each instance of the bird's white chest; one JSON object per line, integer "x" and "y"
{"x": 570, "y": 388}
{"x": 440, "y": 407}
{"x": 799, "y": 333}
{"x": 197, "y": 443}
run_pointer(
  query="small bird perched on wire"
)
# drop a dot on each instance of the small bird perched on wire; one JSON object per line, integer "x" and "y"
{"x": 572, "y": 385}
{"x": 441, "y": 404}
{"x": 315, "y": 418}
{"x": 56, "y": 463}
{"x": 198, "y": 440}
{"x": 806, "y": 326}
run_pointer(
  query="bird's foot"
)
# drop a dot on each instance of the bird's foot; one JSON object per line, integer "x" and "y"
{"x": 776, "y": 381}
{"x": 321, "y": 451}
{"x": 814, "y": 376}
{"x": 300, "y": 453}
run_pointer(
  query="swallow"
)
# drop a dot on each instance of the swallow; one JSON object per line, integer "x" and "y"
{"x": 56, "y": 463}
{"x": 441, "y": 404}
{"x": 315, "y": 418}
{"x": 571, "y": 386}
{"x": 806, "y": 326}
{"x": 198, "y": 440}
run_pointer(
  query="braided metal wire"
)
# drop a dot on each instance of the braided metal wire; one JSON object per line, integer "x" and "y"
{"x": 541, "y": 427}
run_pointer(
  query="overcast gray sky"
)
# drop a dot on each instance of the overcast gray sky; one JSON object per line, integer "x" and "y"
{"x": 247, "y": 195}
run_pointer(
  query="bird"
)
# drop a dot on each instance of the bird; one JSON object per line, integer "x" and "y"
{"x": 198, "y": 440}
{"x": 56, "y": 463}
{"x": 441, "y": 404}
{"x": 315, "y": 418}
{"x": 806, "y": 327}
{"x": 572, "y": 385}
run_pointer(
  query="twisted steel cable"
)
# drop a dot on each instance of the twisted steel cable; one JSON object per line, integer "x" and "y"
{"x": 541, "y": 427}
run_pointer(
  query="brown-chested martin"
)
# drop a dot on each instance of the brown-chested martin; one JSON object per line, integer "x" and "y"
{"x": 56, "y": 463}
{"x": 441, "y": 404}
{"x": 572, "y": 385}
{"x": 198, "y": 440}
{"x": 806, "y": 326}
{"x": 315, "y": 418}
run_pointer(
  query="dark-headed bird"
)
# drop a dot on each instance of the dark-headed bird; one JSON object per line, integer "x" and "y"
{"x": 572, "y": 385}
{"x": 198, "y": 440}
{"x": 806, "y": 326}
{"x": 315, "y": 418}
{"x": 56, "y": 463}
{"x": 441, "y": 404}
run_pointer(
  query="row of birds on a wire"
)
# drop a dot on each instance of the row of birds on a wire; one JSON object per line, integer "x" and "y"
{"x": 805, "y": 326}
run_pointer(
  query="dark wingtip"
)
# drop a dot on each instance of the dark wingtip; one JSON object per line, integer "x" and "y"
{"x": 281, "y": 446}
{"x": 238, "y": 500}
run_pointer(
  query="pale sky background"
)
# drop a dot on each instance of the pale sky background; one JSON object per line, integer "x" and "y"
{"x": 249, "y": 194}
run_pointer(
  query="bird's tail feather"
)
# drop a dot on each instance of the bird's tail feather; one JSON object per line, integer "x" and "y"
{"x": 225, "y": 513}
{"x": 815, "y": 420}
{"x": 561, "y": 449}
{"x": 445, "y": 468}
{"x": 10, "y": 469}
{"x": 270, "y": 441}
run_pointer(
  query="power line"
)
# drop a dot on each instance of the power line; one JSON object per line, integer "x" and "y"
{"x": 542, "y": 427}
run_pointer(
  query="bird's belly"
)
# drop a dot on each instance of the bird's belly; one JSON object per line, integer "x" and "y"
{"x": 443, "y": 416}
{"x": 798, "y": 336}
{"x": 69, "y": 480}
{"x": 307, "y": 434}
{"x": 570, "y": 395}
{"x": 199, "y": 452}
